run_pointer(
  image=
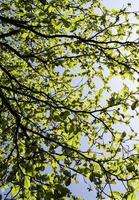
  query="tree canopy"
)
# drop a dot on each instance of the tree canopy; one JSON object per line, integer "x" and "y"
{"x": 59, "y": 116}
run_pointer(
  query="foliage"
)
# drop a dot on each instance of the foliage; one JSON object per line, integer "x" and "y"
{"x": 52, "y": 55}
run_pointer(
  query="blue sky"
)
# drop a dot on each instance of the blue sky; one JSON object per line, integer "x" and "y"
{"x": 121, "y": 3}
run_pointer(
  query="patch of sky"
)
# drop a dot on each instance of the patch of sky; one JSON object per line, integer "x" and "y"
{"x": 98, "y": 83}
{"x": 106, "y": 71}
{"x": 116, "y": 84}
{"x": 78, "y": 81}
{"x": 118, "y": 4}
{"x": 84, "y": 143}
{"x": 134, "y": 123}
{"x": 60, "y": 70}
{"x": 80, "y": 189}
{"x": 75, "y": 70}
{"x": 87, "y": 5}
{"x": 106, "y": 95}
{"x": 120, "y": 127}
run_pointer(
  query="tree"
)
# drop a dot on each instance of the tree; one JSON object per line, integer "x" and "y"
{"x": 52, "y": 53}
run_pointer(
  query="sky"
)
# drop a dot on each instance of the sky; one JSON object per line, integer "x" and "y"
{"x": 122, "y": 3}
{"x": 116, "y": 84}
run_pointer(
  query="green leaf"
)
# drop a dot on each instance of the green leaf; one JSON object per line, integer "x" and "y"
{"x": 134, "y": 105}
{"x": 15, "y": 190}
{"x": 67, "y": 173}
{"x": 92, "y": 177}
{"x": 131, "y": 168}
{"x": 27, "y": 182}
{"x": 68, "y": 181}
{"x": 117, "y": 195}
{"x": 132, "y": 196}
{"x": 4, "y": 187}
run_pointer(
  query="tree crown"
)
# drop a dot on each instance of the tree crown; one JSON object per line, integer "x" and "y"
{"x": 57, "y": 61}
